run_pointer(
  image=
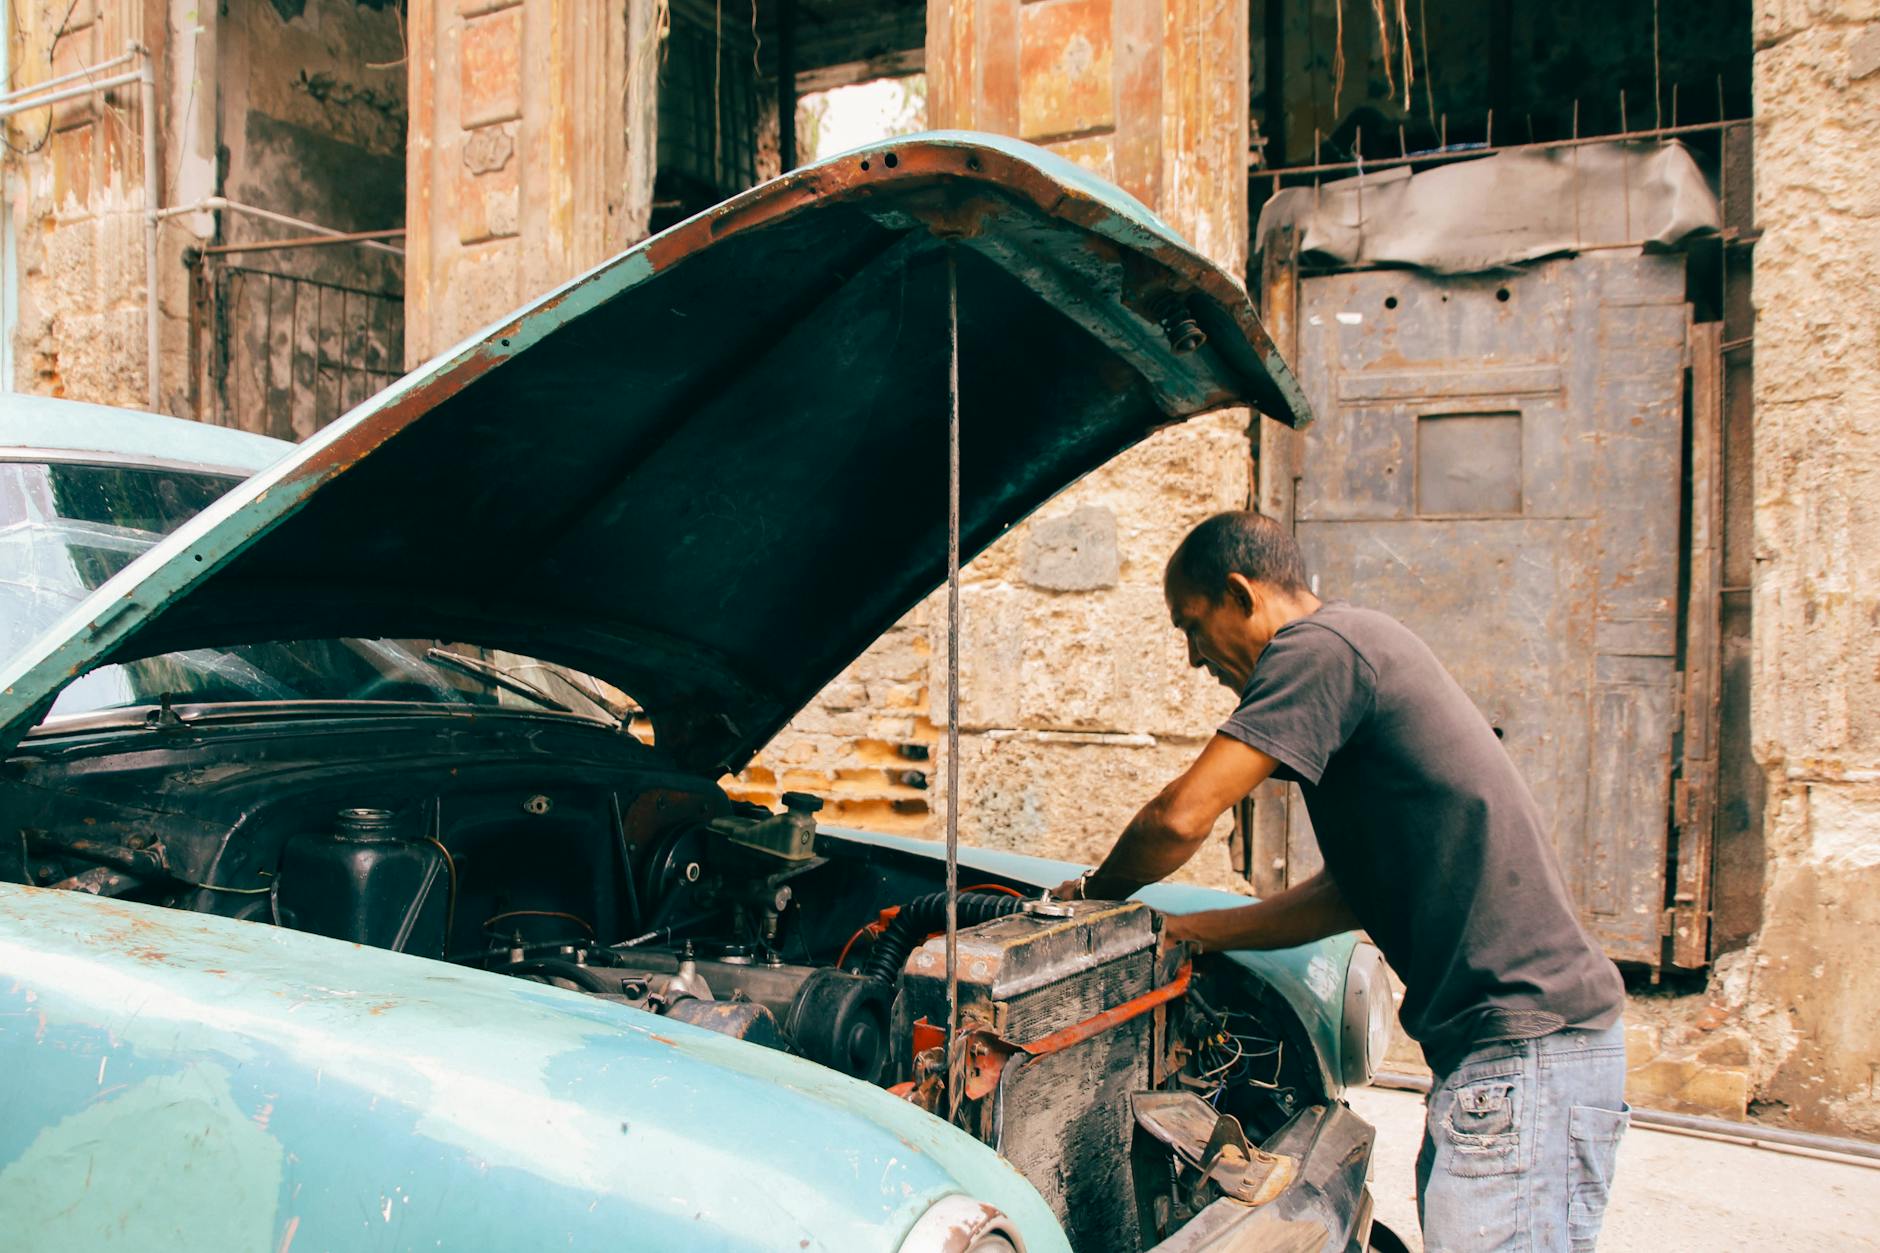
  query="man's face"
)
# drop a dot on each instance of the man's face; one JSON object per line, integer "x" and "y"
{"x": 1220, "y": 631}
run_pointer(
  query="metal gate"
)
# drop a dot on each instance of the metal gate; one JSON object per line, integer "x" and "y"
{"x": 1497, "y": 464}
{"x": 284, "y": 354}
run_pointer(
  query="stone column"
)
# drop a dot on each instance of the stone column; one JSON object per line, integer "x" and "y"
{"x": 1808, "y": 986}
{"x": 531, "y": 153}
{"x": 1076, "y": 700}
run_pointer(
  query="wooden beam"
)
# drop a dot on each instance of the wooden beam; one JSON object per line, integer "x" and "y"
{"x": 887, "y": 65}
{"x": 1694, "y": 800}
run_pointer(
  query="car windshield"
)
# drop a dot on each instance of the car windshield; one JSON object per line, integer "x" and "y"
{"x": 67, "y": 527}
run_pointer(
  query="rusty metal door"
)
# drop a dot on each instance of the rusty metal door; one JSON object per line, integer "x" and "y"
{"x": 1497, "y": 464}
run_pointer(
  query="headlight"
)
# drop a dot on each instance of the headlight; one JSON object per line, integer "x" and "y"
{"x": 959, "y": 1224}
{"x": 1369, "y": 1015}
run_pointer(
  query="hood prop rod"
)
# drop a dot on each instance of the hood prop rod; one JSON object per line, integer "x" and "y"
{"x": 954, "y": 1055}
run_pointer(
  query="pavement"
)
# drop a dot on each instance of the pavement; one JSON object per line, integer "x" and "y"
{"x": 1673, "y": 1193}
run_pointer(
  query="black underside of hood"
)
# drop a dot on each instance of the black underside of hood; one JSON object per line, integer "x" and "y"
{"x": 714, "y": 470}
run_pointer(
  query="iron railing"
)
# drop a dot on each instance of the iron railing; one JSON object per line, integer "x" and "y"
{"x": 284, "y": 354}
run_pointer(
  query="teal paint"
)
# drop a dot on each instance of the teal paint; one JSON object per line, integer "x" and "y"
{"x": 74, "y": 429}
{"x": 413, "y": 1102}
{"x": 220, "y": 1193}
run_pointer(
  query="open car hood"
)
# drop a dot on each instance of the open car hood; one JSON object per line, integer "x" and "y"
{"x": 712, "y": 470}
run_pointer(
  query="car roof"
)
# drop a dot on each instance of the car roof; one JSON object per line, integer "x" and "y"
{"x": 45, "y": 424}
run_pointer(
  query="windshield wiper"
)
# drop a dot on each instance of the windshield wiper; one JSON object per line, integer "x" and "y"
{"x": 496, "y": 675}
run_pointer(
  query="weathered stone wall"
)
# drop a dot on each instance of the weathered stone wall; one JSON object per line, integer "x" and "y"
{"x": 77, "y": 182}
{"x": 1076, "y": 699}
{"x": 1076, "y": 704}
{"x": 1809, "y": 988}
{"x": 293, "y": 105}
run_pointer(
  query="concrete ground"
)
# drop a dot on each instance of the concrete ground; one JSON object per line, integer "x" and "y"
{"x": 1674, "y": 1192}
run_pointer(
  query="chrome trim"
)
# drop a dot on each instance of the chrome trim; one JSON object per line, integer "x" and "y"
{"x": 137, "y": 461}
{"x": 959, "y": 1224}
{"x": 1367, "y": 993}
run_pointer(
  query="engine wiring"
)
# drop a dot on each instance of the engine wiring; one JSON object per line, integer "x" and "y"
{"x": 450, "y": 902}
{"x": 584, "y": 924}
{"x": 870, "y": 929}
{"x": 1226, "y": 1057}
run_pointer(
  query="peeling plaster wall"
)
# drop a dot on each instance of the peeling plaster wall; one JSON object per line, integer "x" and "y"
{"x": 531, "y": 159}
{"x": 272, "y": 103}
{"x": 78, "y": 208}
{"x": 312, "y": 123}
{"x": 313, "y": 120}
{"x": 1809, "y": 987}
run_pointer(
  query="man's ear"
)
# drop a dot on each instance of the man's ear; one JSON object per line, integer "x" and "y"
{"x": 1243, "y": 594}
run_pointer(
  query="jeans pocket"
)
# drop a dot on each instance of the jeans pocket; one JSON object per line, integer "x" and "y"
{"x": 1594, "y": 1133}
{"x": 1482, "y": 1128}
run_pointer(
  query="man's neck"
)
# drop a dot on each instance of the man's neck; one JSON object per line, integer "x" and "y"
{"x": 1285, "y": 608}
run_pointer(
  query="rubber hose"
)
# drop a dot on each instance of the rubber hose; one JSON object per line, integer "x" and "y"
{"x": 554, "y": 968}
{"x": 920, "y": 918}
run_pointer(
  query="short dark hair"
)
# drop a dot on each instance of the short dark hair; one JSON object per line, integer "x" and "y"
{"x": 1241, "y": 542}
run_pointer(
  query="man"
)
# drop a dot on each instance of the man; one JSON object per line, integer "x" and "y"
{"x": 1434, "y": 846}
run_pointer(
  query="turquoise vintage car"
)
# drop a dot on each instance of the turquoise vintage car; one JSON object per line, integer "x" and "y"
{"x": 365, "y": 877}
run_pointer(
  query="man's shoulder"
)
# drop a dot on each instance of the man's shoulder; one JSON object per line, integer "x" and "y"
{"x": 1364, "y": 631}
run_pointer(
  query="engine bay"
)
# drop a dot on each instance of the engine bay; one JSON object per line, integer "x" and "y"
{"x": 1095, "y": 1056}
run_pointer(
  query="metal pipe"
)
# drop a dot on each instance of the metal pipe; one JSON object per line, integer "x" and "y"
{"x": 303, "y": 241}
{"x": 1775, "y": 1139}
{"x": 84, "y": 71}
{"x": 72, "y": 93}
{"x": 153, "y": 187}
{"x": 955, "y": 1059}
{"x": 212, "y": 204}
{"x": 1464, "y": 154}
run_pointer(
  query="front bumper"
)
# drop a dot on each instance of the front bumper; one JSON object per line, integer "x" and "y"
{"x": 1326, "y": 1208}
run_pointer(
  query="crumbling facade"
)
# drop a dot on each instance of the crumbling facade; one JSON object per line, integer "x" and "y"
{"x": 491, "y": 149}
{"x": 1807, "y": 988}
{"x": 77, "y": 190}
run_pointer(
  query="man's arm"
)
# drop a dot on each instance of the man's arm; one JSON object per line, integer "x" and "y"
{"x": 1308, "y": 911}
{"x": 1170, "y": 828}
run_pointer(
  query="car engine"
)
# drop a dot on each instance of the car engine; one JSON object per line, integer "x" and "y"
{"x": 1090, "y": 1051}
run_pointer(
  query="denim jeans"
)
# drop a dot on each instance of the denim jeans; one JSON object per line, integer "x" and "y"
{"x": 1519, "y": 1145}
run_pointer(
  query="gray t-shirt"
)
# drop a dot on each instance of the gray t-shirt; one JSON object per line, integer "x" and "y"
{"x": 1428, "y": 831}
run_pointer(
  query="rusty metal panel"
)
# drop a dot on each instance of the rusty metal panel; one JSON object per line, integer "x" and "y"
{"x": 1264, "y": 820}
{"x": 1695, "y": 807}
{"x": 1497, "y": 464}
